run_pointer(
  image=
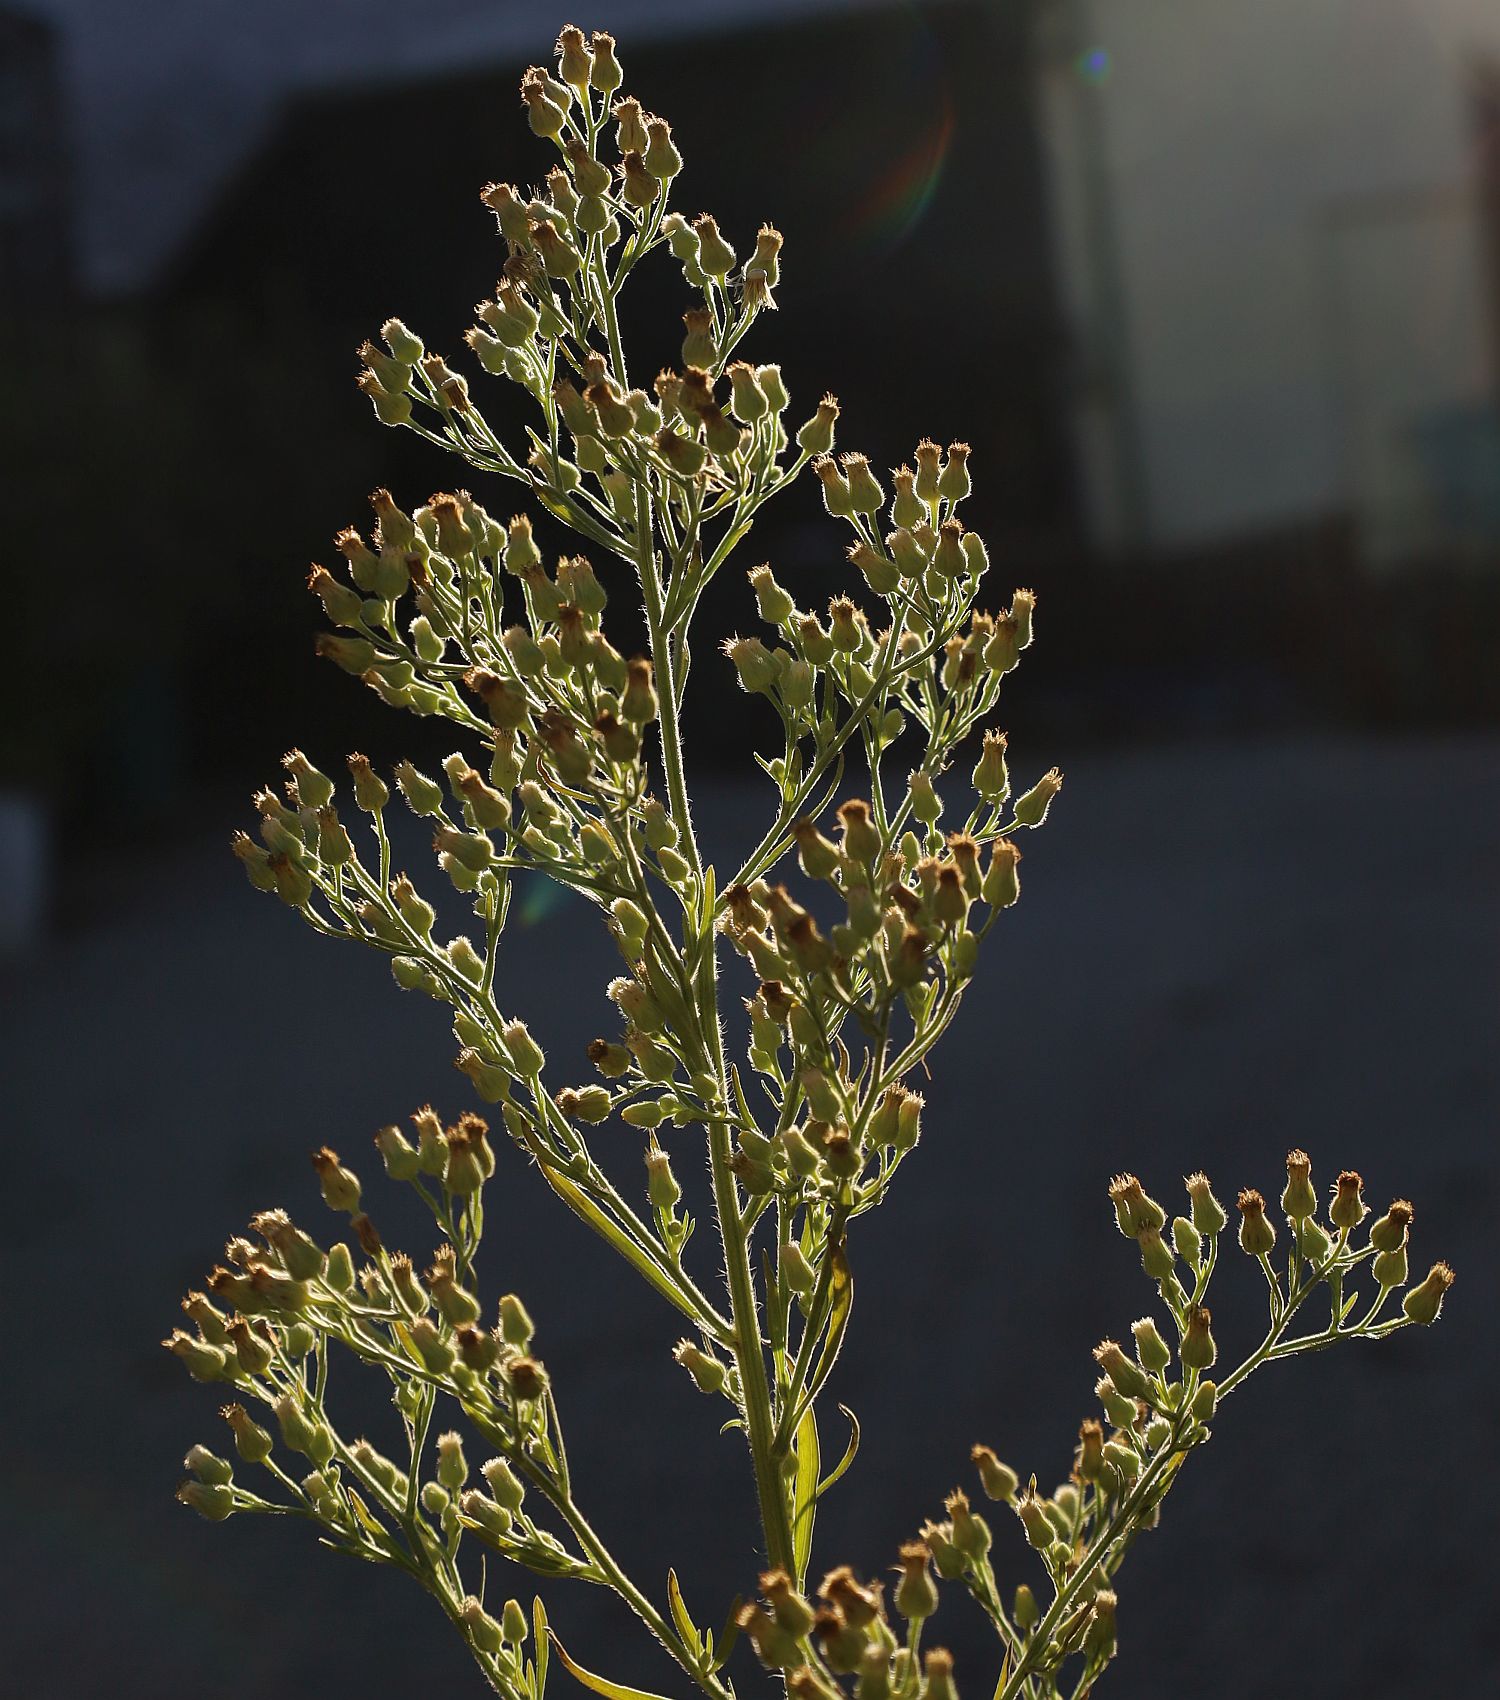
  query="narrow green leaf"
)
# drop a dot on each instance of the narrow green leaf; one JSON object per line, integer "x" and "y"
{"x": 806, "y": 1498}
{"x": 600, "y": 1684}
{"x": 539, "y": 1630}
{"x": 362, "y": 1511}
{"x": 838, "y": 1322}
{"x": 579, "y": 1202}
{"x": 729, "y": 1634}
{"x": 849, "y": 1453}
{"x": 686, "y": 1628}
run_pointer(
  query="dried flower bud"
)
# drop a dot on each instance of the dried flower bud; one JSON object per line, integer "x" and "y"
{"x": 998, "y": 1480}
{"x": 1197, "y": 1350}
{"x": 1002, "y": 884}
{"x": 953, "y": 481}
{"x": 815, "y": 438}
{"x": 1135, "y": 1210}
{"x": 1034, "y": 1519}
{"x": 715, "y": 255}
{"x": 251, "y": 1441}
{"x": 340, "y": 1185}
{"x": 1031, "y": 809}
{"x": 1390, "y": 1232}
{"x": 1299, "y": 1199}
{"x": 1257, "y": 1236}
{"x": 1347, "y": 1209}
{"x": 1122, "y": 1371}
{"x": 916, "y": 1596}
{"x": 1209, "y": 1216}
{"x": 1424, "y": 1303}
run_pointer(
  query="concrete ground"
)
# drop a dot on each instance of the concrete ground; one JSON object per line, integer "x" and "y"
{"x": 1221, "y": 952}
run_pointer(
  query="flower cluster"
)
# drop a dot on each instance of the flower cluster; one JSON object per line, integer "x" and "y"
{"x": 1156, "y": 1402}
{"x": 859, "y": 914}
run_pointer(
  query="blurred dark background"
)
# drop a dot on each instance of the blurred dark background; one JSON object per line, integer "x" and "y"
{"x": 1214, "y": 292}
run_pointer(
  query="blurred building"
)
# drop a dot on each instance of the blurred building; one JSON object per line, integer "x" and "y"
{"x": 1278, "y": 228}
{"x": 36, "y": 201}
{"x": 1209, "y": 289}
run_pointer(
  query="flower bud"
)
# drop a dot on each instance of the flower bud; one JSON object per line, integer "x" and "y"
{"x": 507, "y": 1489}
{"x": 661, "y": 1184}
{"x": 1424, "y": 1303}
{"x": 251, "y": 1441}
{"x": 481, "y": 1629}
{"x": 1125, "y": 1374}
{"x": 836, "y": 494}
{"x": 1197, "y": 1350}
{"x": 516, "y": 1326}
{"x": 1150, "y": 1348}
{"x": 865, "y": 494}
{"x": 715, "y": 255}
{"x": 212, "y": 1500}
{"x": 971, "y": 1534}
{"x": 1034, "y": 1519}
{"x": 815, "y": 438}
{"x": 1156, "y": 1254}
{"x": 926, "y": 805}
{"x": 1205, "y": 1402}
{"x": 1135, "y": 1210}
{"x": 1299, "y": 1199}
{"x": 1347, "y": 1209}
{"x": 252, "y": 1349}
{"x": 991, "y": 778}
{"x": 800, "y": 1275}
{"x": 916, "y": 1596}
{"x": 1390, "y": 1232}
{"x": 707, "y": 1372}
{"x": 1257, "y": 1236}
{"x": 340, "y": 1186}
{"x": 452, "y": 1467}
{"x": 604, "y": 69}
{"x": 953, "y": 481}
{"x": 1185, "y": 1239}
{"x": 1031, "y": 809}
{"x": 525, "y": 1054}
{"x": 998, "y": 1480}
{"x": 1390, "y": 1268}
{"x": 752, "y": 662}
{"x": 1025, "y": 1610}
{"x": 1091, "y": 1449}
{"x": 1209, "y": 1215}
{"x": 208, "y": 1467}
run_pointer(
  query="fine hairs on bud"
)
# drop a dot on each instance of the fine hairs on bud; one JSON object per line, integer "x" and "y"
{"x": 549, "y": 645}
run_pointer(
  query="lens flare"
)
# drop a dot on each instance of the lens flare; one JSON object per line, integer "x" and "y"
{"x": 1094, "y": 66}
{"x": 892, "y": 207}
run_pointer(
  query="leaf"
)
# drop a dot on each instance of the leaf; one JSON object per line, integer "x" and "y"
{"x": 407, "y": 1346}
{"x": 1004, "y": 1675}
{"x": 729, "y": 1634}
{"x": 686, "y": 1628}
{"x": 710, "y": 898}
{"x": 842, "y": 1290}
{"x": 806, "y": 1493}
{"x": 579, "y": 1202}
{"x": 849, "y": 1453}
{"x": 599, "y": 1684}
{"x": 539, "y": 1628}
{"x": 362, "y": 1511}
